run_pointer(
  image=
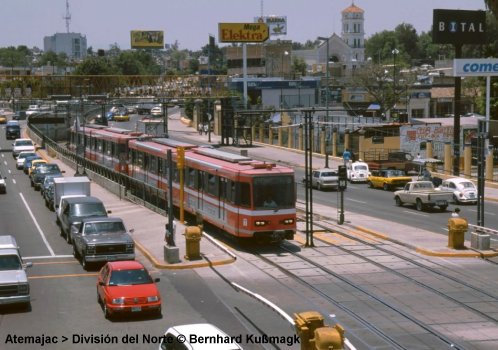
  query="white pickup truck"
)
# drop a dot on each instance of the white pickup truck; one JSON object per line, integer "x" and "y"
{"x": 423, "y": 195}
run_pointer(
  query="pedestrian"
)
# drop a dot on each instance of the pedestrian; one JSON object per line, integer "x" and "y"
{"x": 456, "y": 213}
{"x": 346, "y": 156}
{"x": 206, "y": 128}
{"x": 199, "y": 128}
{"x": 418, "y": 156}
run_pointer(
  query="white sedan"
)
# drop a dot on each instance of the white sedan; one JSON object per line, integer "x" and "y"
{"x": 156, "y": 111}
{"x": 464, "y": 190}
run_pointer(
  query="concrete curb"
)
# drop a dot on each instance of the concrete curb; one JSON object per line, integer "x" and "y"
{"x": 193, "y": 265}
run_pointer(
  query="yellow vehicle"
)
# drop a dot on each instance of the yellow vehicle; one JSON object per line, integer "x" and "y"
{"x": 36, "y": 163}
{"x": 121, "y": 117}
{"x": 388, "y": 179}
{"x": 3, "y": 119}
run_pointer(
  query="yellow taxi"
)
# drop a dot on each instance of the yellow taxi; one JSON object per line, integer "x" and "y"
{"x": 122, "y": 117}
{"x": 3, "y": 119}
{"x": 36, "y": 163}
{"x": 388, "y": 179}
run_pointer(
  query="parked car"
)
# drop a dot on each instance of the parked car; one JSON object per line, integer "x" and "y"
{"x": 47, "y": 181}
{"x": 357, "y": 171}
{"x": 156, "y": 111}
{"x": 3, "y": 184}
{"x": 388, "y": 179}
{"x": 102, "y": 239}
{"x": 74, "y": 209}
{"x": 464, "y": 190}
{"x": 39, "y": 173}
{"x": 34, "y": 164}
{"x": 121, "y": 116}
{"x": 48, "y": 195}
{"x": 20, "y": 145}
{"x": 126, "y": 287}
{"x": 20, "y": 115}
{"x": 28, "y": 161}
{"x": 170, "y": 340}
{"x": 3, "y": 119}
{"x": 12, "y": 130}
{"x": 325, "y": 178}
{"x": 423, "y": 195}
{"x": 22, "y": 156}
{"x": 14, "y": 284}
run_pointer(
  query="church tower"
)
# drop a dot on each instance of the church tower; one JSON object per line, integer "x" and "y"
{"x": 353, "y": 31}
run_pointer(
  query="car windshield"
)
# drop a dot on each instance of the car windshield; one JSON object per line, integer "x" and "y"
{"x": 49, "y": 168}
{"x": 88, "y": 209}
{"x": 329, "y": 173}
{"x": 24, "y": 143}
{"x": 93, "y": 228}
{"x": 394, "y": 173}
{"x": 360, "y": 167}
{"x": 25, "y": 155}
{"x": 129, "y": 277}
{"x": 10, "y": 262}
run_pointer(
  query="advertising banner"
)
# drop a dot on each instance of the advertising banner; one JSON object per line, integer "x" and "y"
{"x": 458, "y": 27}
{"x": 243, "y": 32}
{"x": 475, "y": 67}
{"x": 277, "y": 25}
{"x": 147, "y": 39}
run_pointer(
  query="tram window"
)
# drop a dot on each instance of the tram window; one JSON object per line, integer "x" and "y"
{"x": 119, "y": 149}
{"x": 100, "y": 147}
{"x": 223, "y": 188}
{"x": 139, "y": 159}
{"x": 86, "y": 142}
{"x": 190, "y": 177}
{"x": 109, "y": 148}
{"x": 212, "y": 182}
{"x": 200, "y": 180}
{"x": 160, "y": 167}
{"x": 176, "y": 175}
{"x": 244, "y": 194}
{"x": 153, "y": 164}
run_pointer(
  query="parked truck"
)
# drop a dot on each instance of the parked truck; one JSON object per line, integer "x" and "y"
{"x": 423, "y": 195}
{"x": 400, "y": 160}
{"x": 70, "y": 186}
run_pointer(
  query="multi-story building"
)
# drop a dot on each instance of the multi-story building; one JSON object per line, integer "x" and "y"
{"x": 72, "y": 44}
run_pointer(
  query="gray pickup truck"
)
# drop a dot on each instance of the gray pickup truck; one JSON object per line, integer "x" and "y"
{"x": 423, "y": 195}
{"x": 102, "y": 239}
{"x": 14, "y": 285}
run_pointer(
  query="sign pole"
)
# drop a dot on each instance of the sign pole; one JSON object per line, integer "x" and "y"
{"x": 456, "y": 120}
{"x": 244, "y": 60}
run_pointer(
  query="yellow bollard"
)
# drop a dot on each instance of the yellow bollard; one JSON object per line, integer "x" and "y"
{"x": 456, "y": 232}
{"x": 192, "y": 242}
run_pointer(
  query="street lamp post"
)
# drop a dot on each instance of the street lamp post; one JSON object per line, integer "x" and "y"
{"x": 394, "y": 52}
{"x": 327, "y": 76}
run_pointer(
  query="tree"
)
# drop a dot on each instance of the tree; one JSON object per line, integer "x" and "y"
{"x": 298, "y": 66}
{"x": 95, "y": 66}
{"x": 12, "y": 57}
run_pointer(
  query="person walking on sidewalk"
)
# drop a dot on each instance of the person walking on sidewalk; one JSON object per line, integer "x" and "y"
{"x": 346, "y": 156}
{"x": 200, "y": 128}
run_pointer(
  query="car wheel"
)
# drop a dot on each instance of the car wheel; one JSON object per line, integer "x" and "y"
{"x": 398, "y": 201}
{"x": 75, "y": 252}
{"x": 46, "y": 203}
{"x": 32, "y": 183}
{"x": 107, "y": 312}
{"x": 443, "y": 208}
{"x": 68, "y": 238}
{"x": 159, "y": 313}
{"x": 455, "y": 199}
{"x": 386, "y": 187}
{"x": 370, "y": 184}
{"x": 84, "y": 263}
{"x": 419, "y": 205}
{"x": 318, "y": 186}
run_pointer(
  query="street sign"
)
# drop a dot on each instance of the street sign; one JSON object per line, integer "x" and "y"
{"x": 475, "y": 67}
{"x": 458, "y": 27}
{"x": 243, "y": 32}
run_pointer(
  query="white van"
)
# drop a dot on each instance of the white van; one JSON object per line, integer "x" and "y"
{"x": 203, "y": 336}
{"x": 358, "y": 171}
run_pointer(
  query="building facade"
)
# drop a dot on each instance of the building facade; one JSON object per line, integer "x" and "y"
{"x": 72, "y": 44}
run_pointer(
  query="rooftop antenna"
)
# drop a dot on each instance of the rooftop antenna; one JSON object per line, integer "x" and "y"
{"x": 67, "y": 17}
{"x": 262, "y": 5}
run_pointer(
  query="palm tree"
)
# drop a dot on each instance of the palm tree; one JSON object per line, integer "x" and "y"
{"x": 493, "y": 6}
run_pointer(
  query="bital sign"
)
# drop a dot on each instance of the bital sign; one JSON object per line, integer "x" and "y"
{"x": 459, "y": 27}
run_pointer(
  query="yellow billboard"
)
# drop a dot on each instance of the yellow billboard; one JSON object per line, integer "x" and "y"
{"x": 147, "y": 39}
{"x": 243, "y": 32}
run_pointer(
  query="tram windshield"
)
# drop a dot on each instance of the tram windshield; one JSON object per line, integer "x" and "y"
{"x": 274, "y": 192}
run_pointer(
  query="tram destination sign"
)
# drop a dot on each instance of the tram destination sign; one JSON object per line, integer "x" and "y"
{"x": 458, "y": 27}
{"x": 243, "y": 32}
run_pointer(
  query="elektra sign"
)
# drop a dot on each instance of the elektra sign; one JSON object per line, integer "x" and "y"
{"x": 475, "y": 67}
{"x": 458, "y": 27}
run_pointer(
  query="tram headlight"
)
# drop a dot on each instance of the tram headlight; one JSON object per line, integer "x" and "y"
{"x": 288, "y": 221}
{"x": 260, "y": 223}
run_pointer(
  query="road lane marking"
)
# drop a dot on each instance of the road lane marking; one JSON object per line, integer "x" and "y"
{"x": 54, "y": 262}
{"x": 415, "y": 213}
{"x": 50, "y": 250}
{"x": 63, "y": 276}
{"x": 485, "y": 212}
{"x": 355, "y": 200}
{"x": 46, "y": 257}
{"x": 14, "y": 181}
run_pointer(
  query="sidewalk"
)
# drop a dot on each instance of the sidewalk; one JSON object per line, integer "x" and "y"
{"x": 149, "y": 227}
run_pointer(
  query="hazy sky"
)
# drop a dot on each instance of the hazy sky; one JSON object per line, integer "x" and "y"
{"x": 104, "y": 22}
